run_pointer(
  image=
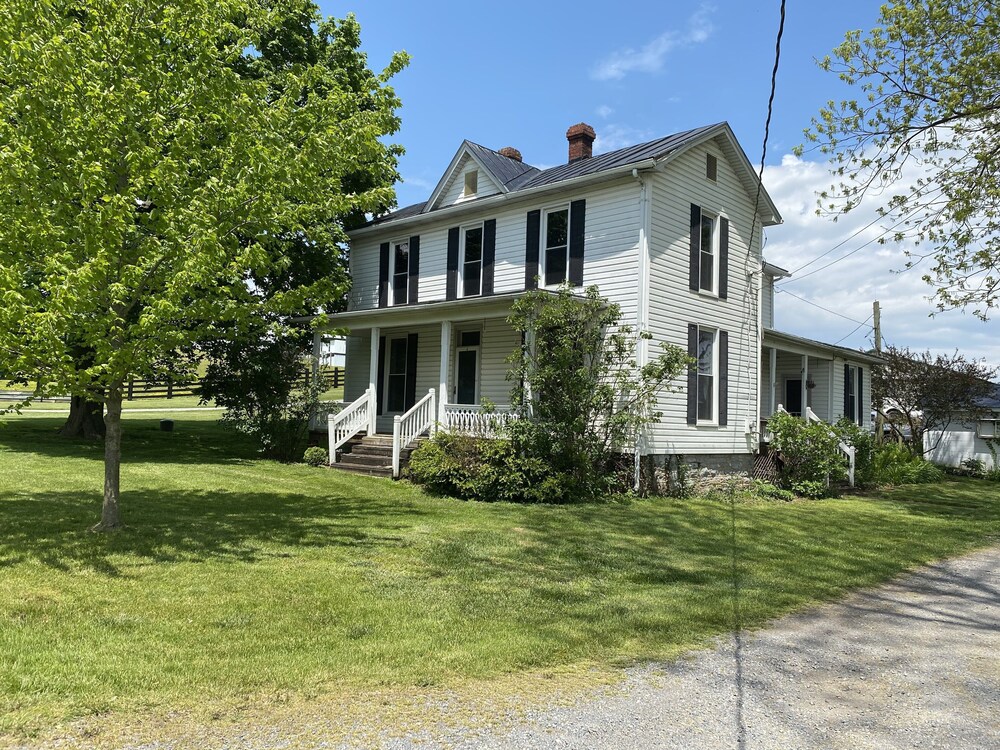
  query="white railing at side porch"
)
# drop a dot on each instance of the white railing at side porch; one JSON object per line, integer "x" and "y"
{"x": 349, "y": 421}
{"x": 421, "y": 417}
{"x": 847, "y": 450}
{"x": 473, "y": 419}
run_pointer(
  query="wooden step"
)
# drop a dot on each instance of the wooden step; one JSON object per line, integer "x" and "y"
{"x": 357, "y": 459}
{"x": 371, "y": 471}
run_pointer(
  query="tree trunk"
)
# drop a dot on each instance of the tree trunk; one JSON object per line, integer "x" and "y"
{"x": 110, "y": 516}
{"x": 86, "y": 419}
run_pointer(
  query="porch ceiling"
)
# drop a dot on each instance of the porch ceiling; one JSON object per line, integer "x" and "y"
{"x": 788, "y": 342}
{"x": 469, "y": 308}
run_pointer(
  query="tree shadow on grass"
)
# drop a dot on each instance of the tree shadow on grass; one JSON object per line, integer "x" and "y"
{"x": 165, "y": 526}
{"x": 191, "y": 441}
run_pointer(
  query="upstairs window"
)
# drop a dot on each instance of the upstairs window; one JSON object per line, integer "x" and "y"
{"x": 399, "y": 273}
{"x": 471, "y": 183}
{"x": 472, "y": 261}
{"x": 708, "y": 249}
{"x": 556, "y": 250}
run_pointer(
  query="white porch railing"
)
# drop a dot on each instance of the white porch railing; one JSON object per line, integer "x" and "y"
{"x": 351, "y": 420}
{"x": 847, "y": 450}
{"x": 421, "y": 417}
{"x": 472, "y": 419}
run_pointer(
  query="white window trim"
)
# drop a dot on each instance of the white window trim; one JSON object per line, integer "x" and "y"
{"x": 716, "y": 217}
{"x": 979, "y": 428}
{"x": 543, "y": 244}
{"x": 714, "y": 421}
{"x": 392, "y": 271}
{"x": 461, "y": 258}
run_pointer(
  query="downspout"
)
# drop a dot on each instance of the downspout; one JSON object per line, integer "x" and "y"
{"x": 642, "y": 299}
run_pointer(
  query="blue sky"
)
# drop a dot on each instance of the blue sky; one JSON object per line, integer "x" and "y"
{"x": 520, "y": 73}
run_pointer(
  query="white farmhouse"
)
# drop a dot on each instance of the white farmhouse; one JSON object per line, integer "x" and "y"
{"x": 671, "y": 230}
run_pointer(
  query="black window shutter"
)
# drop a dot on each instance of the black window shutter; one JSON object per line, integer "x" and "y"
{"x": 577, "y": 230}
{"x": 451, "y": 279}
{"x": 380, "y": 382}
{"x": 383, "y": 274}
{"x": 857, "y": 397}
{"x": 695, "y": 262}
{"x": 723, "y": 378}
{"x": 489, "y": 254}
{"x": 413, "y": 292}
{"x": 848, "y": 411}
{"x": 531, "y": 240}
{"x": 692, "y": 394}
{"x": 723, "y": 258}
{"x": 411, "y": 371}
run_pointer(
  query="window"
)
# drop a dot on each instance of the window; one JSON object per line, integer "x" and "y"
{"x": 399, "y": 273}
{"x": 706, "y": 375}
{"x": 471, "y": 182}
{"x": 472, "y": 261}
{"x": 851, "y": 394}
{"x": 988, "y": 428}
{"x": 707, "y": 259}
{"x": 556, "y": 249}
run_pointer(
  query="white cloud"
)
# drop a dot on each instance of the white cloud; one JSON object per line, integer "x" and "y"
{"x": 872, "y": 271}
{"x": 650, "y": 57}
{"x": 614, "y": 136}
{"x": 604, "y": 111}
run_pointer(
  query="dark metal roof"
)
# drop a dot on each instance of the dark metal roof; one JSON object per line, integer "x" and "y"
{"x": 843, "y": 351}
{"x": 612, "y": 159}
{"x": 502, "y": 168}
{"x": 992, "y": 402}
{"x": 515, "y": 176}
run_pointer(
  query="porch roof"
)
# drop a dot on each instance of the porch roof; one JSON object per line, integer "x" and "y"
{"x": 468, "y": 308}
{"x": 791, "y": 343}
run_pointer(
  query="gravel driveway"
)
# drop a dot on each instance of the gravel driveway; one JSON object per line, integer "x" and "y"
{"x": 913, "y": 664}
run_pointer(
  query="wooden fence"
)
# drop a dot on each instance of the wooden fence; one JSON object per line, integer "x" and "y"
{"x": 333, "y": 377}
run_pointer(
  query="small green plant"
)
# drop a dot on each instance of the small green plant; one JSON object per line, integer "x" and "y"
{"x": 894, "y": 464}
{"x": 975, "y": 467}
{"x": 864, "y": 446}
{"x": 810, "y": 488}
{"x": 316, "y": 456}
{"x": 770, "y": 491}
{"x": 809, "y": 451}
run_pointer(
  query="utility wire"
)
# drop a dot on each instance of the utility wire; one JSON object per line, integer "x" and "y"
{"x": 824, "y": 309}
{"x": 854, "y": 331}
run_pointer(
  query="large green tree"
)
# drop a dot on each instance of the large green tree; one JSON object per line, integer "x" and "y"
{"x": 148, "y": 177}
{"x": 926, "y": 132}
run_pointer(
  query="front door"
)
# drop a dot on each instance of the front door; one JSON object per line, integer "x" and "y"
{"x": 793, "y": 397}
{"x": 467, "y": 368}
{"x": 395, "y": 376}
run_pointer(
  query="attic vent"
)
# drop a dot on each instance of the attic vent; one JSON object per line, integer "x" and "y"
{"x": 471, "y": 182}
{"x": 511, "y": 153}
{"x": 712, "y": 168}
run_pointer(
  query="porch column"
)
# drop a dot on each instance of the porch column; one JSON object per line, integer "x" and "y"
{"x": 373, "y": 377}
{"x": 443, "y": 393}
{"x": 805, "y": 378}
{"x": 773, "y": 363}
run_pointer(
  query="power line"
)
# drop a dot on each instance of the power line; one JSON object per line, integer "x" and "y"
{"x": 824, "y": 309}
{"x": 853, "y": 332}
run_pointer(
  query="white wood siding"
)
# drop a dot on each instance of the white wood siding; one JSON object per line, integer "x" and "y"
{"x": 610, "y": 247}
{"x": 673, "y": 305}
{"x": 959, "y": 442}
{"x": 454, "y": 191}
{"x": 767, "y": 301}
{"x": 838, "y": 391}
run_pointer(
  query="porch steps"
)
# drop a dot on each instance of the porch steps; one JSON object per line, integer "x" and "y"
{"x": 372, "y": 455}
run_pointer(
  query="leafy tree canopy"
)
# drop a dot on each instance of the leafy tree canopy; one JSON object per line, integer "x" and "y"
{"x": 155, "y": 159}
{"x": 925, "y": 130}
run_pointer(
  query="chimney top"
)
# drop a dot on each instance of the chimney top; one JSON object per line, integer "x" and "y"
{"x": 581, "y": 141}
{"x": 511, "y": 153}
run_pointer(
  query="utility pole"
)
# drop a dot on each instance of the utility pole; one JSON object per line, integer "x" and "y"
{"x": 879, "y": 419}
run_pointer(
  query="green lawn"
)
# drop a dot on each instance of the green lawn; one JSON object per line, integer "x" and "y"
{"x": 241, "y": 577}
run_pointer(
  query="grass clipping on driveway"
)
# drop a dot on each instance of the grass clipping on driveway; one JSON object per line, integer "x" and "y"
{"x": 239, "y": 579}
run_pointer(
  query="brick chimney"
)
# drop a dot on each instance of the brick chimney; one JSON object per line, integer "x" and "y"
{"x": 511, "y": 153}
{"x": 581, "y": 141}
